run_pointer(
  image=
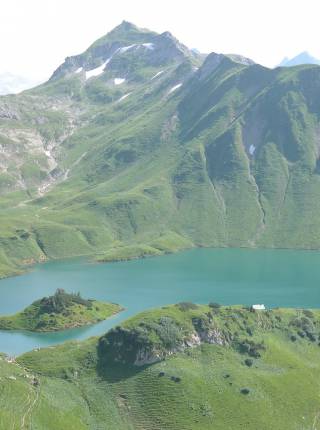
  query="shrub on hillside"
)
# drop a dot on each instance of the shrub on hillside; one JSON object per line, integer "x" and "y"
{"x": 186, "y": 306}
{"x": 251, "y": 348}
{"x": 214, "y": 305}
{"x": 249, "y": 331}
{"x": 304, "y": 323}
{"x": 248, "y": 362}
{"x": 308, "y": 313}
{"x": 201, "y": 324}
{"x": 305, "y": 327}
{"x": 168, "y": 332}
{"x": 311, "y": 336}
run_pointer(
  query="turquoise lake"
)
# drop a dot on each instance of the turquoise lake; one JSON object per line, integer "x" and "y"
{"x": 284, "y": 278}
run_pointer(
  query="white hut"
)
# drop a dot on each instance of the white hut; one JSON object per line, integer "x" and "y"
{"x": 258, "y": 307}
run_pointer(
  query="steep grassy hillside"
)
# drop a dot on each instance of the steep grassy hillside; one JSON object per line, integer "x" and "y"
{"x": 59, "y": 312}
{"x": 234, "y": 369}
{"x": 139, "y": 147}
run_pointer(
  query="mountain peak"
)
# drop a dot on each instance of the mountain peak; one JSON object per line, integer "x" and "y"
{"x": 127, "y": 24}
{"x": 126, "y": 37}
{"x": 168, "y": 35}
{"x": 213, "y": 60}
{"x": 303, "y": 58}
{"x": 124, "y": 26}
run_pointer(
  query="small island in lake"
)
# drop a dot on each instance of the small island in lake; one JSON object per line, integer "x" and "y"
{"x": 59, "y": 312}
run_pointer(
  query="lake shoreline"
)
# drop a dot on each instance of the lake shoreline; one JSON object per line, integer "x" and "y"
{"x": 94, "y": 258}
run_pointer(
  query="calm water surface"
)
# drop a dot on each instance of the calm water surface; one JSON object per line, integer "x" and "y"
{"x": 228, "y": 276}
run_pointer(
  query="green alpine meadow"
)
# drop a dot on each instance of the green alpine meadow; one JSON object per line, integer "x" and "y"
{"x": 178, "y": 367}
{"x": 137, "y": 148}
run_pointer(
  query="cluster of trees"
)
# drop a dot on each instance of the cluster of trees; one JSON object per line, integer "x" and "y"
{"x": 60, "y": 301}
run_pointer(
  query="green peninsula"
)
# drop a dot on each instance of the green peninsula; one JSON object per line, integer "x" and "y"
{"x": 59, "y": 312}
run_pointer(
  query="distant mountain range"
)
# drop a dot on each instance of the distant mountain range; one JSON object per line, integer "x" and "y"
{"x": 11, "y": 83}
{"x": 140, "y": 146}
{"x": 302, "y": 58}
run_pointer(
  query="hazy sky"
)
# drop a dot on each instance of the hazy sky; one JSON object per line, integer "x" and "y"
{"x": 36, "y": 35}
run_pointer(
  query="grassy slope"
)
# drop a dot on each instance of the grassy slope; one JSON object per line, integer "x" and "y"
{"x": 78, "y": 391}
{"x": 163, "y": 172}
{"x": 98, "y": 217}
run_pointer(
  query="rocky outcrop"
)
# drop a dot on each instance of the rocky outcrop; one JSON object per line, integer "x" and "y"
{"x": 213, "y": 336}
{"x": 138, "y": 346}
{"x": 195, "y": 339}
{"x": 145, "y": 357}
{"x": 6, "y": 112}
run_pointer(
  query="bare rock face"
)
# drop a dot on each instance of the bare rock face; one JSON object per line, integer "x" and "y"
{"x": 213, "y": 336}
{"x": 192, "y": 341}
{"x": 145, "y": 357}
{"x": 6, "y": 112}
{"x": 208, "y": 332}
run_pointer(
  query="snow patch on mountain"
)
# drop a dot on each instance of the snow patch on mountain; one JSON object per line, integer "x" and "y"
{"x": 118, "y": 81}
{"x": 98, "y": 70}
{"x": 79, "y": 70}
{"x": 148, "y": 45}
{"x": 126, "y": 48}
{"x": 124, "y": 97}
{"x": 175, "y": 88}
{"x": 157, "y": 74}
{"x": 135, "y": 45}
{"x": 252, "y": 148}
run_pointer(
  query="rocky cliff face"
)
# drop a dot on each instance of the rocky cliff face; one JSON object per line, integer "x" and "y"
{"x": 30, "y": 140}
{"x": 212, "y": 336}
{"x": 149, "y": 343}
